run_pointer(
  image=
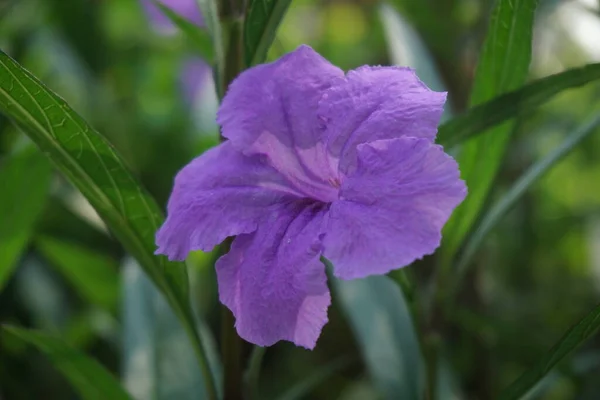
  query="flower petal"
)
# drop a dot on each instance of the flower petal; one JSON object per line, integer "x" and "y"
{"x": 392, "y": 209}
{"x": 272, "y": 279}
{"x": 375, "y": 103}
{"x": 219, "y": 194}
{"x": 272, "y": 109}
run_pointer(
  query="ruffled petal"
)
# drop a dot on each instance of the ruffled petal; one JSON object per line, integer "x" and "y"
{"x": 392, "y": 209}
{"x": 219, "y": 194}
{"x": 375, "y": 103}
{"x": 272, "y": 279}
{"x": 272, "y": 109}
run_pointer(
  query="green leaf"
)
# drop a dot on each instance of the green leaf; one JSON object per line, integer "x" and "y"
{"x": 305, "y": 387}
{"x": 158, "y": 363}
{"x": 383, "y": 327}
{"x": 576, "y": 336}
{"x": 198, "y": 37}
{"x": 406, "y": 47}
{"x": 90, "y": 379}
{"x": 24, "y": 182}
{"x": 510, "y": 105}
{"x": 210, "y": 12}
{"x": 262, "y": 20}
{"x": 92, "y": 165}
{"x": 520, "y": 187}
{"x": 93, "y": 275}
{"x": 503, "y": 66}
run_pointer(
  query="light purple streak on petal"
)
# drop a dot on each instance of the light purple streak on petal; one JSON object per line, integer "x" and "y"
{"x": 378, "y": 103}
{"x": 186, "y": 8}
{"x": 272, "y": 109}
{"x": 195, "y": 73}
{"x": 219, "y": 194}
{"x": 273, "y": 281}
{"x": 392, "y": 209}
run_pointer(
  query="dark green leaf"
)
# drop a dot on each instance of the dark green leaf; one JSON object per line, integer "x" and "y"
{"x": 158, "y": 363}
{"x": 90, "y": 379}
{"x": 198, "y": 37}
{"x": 383, "y": 327}
{"x": 80, "y": 25}
{"x": 520, "y": 187}
{"x": 503, "y": 66}
{"x": 92, "y": 165}
{"x": 305, "y": 387}
{"x": 576, "y": 336}
{"x": 262, "y": 20}
{"x": 93, "y": 275}
{"x": 24, "y": 184}
{"x": 518, "y": 102}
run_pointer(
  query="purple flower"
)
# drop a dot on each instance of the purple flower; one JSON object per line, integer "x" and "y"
{"x": 317, "y": 163}
{"x": 186, "y": 8}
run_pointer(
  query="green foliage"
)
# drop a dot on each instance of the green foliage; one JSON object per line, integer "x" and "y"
{"x": 502, "y": 67}
{"x": 513, "y": 104}
{"x": 93, "y": 275}
{"x": 88, "y": 377}
{"x": 262, "y": 20}
{"x": 93, "y": 166}
{"x": 576, "y": 336}
{"x": 383, "y": 326}
{"x": 25, "y": 181}
{"x": 519, "y": 188}
{"x": 198, "y": 37}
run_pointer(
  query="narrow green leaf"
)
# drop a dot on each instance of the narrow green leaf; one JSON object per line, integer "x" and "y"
{"x": 24, "y": 184}
{"x": 90, "y": 379}
{"x": 503, "y": 66}
{"x": 210, "y": 12}
{"x": 577, "y": 335}
{"x": 198, "y": 37}
{"x": 510, "y": 105}
{"x": 520, "y": 187}
{"x": 93, "y": 275}
{"x": 384, "y": 330}
{"x": 158, "y": 363}
{"x": 87, "y": 159}
{"x": 262, "y": 20}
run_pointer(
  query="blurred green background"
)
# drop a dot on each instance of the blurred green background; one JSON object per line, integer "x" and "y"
{"x": 537, "y": 273}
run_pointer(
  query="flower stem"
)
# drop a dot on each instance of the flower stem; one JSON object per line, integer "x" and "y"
{"x": 253, "y": 373}
{"x": 231, "y": 15}
{"x": 231, "y": 349}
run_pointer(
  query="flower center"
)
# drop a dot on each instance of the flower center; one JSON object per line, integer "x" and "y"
{"x": 335, "y": 182}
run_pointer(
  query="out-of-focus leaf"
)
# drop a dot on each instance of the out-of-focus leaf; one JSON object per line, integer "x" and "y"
{"x": 79, "y": 23}
{"x": 304, "y": 388}
{"x": 198, "y": 37}
{"x": 577, "y": 335}
{"x": 92, "y": 165}
{"x": 262, "y": 20}
{"x": 90, "y": 379}
{"x": 503, "y": 66}
{"x": 518, "y": 189}
{"x": 93, "y": 275}
{"x": 24, "y": 184}
{"x": 447, "y": 386}
{"x": 518, "y": 102}
{"x": 407, "y": 49}
{"x": 384, "y": 330}
{"x": 158, "y": 362}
